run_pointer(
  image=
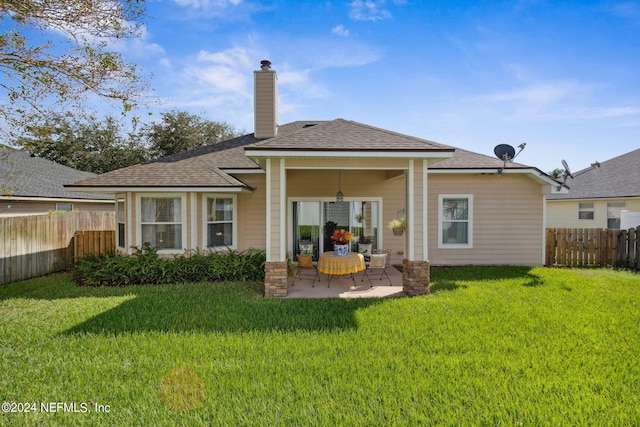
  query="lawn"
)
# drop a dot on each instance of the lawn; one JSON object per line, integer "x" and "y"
{"x": 491, "y": 346}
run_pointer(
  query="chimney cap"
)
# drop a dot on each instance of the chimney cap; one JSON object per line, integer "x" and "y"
{"x": 265, "y": 65}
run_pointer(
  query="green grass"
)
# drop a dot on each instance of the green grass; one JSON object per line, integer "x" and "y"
{"x": 491, "y": 346}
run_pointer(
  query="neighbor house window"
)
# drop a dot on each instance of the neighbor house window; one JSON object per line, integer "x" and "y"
{"x": 220, "y": 219}
{"x": 120, "y": 216}
{"x": 585, "y": 211}
{"x": 161, "y": 222}
{"x": 67, "y": 207}
{"x": 613, "y": 214}
{"x": 455, "y": 221}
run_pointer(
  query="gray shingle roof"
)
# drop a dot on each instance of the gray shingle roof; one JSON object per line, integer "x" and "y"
{"x": 24, "y": 176}
{"x": 463, "y": 159}
{"x": 200, "y": 167}
{"x": 205, "y": 166}
{"x": 617, "y": 177}
{"x": 346, "y": 135}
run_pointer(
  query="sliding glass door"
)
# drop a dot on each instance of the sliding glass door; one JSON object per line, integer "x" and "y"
{"x": 315, "y": 221}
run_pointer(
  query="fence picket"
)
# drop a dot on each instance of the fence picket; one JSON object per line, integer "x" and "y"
{"x": 575, "y": 247}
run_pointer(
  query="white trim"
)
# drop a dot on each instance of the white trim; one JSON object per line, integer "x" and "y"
{"x": 425, "y": 216}
{"x": 267, "y": 168}
{"x": 544, "y": 228}
{"x": 283, "y": 211}
{"x": 128, "y": 205}
{"x": 160, "y": 190}
{"x": 183, "y": 203}
{"x": 410, "y": 214}
{"x": 194, "y": 219}
{"x": 124, "y": 207}
{"x": 243, "y": 171}
{"x": 205, "y": 221}
{"x": 347, "y": 154}
{"x": 469, "y": 243}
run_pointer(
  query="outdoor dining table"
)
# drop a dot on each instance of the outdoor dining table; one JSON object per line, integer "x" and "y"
{"x": 331, "y": 264}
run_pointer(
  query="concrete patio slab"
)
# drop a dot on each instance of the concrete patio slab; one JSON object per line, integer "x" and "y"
{"x": 343, "y": 287}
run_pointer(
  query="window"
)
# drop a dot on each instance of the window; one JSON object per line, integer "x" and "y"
{"x": 67, "y": 207}
{"x": 613, "y": 214}
{"x": 585, "y": 211}
{"x": 120, "y": 219}
{"x": 161, "y": 222}
{"x": 455, "y": 221}
{"x": 220, "y": 217}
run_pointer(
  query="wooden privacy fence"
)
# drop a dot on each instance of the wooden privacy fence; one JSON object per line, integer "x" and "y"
{"x": 36, "y": 245}
{"x": 93, "y": 242}
{"x": 577, "y": 247}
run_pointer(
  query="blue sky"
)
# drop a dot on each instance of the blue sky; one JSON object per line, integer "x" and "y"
{"x": 563, "y": 77}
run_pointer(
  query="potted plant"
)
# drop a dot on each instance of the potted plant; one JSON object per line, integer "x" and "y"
{"x": 365, "y": 245}
{"x": 341, "y": 239}
{"x": 397, "y": 226}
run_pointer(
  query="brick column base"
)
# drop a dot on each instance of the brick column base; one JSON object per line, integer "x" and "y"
{"x": 275, "y": 279}
{"x": 415, "y": 277}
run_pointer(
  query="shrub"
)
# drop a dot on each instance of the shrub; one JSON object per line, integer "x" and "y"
{"x": 145, "y": 267}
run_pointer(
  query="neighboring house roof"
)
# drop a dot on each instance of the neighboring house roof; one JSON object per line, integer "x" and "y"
{"x": 24, "y": 176}
{"x": 615, "y": 178}
{"x": 212, "y": 165}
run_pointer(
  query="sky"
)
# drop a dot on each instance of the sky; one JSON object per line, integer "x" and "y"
{"x": 562, "y": 77}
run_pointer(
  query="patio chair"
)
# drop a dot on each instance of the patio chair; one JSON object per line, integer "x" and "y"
{"x": 378, "y": 263}
{"x": 307, "y": 269}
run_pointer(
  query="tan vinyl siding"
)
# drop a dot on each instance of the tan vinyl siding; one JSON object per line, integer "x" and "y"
{"x": 251, "y": 213}
{"x": 507, "y": 219}
{"x": 564, "y": 213}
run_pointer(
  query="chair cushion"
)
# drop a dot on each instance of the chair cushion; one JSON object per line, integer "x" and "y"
{"x": 304, "y": 261}
{"x": 377, "y": 260}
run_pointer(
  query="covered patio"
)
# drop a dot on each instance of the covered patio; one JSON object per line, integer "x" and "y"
{"x": 343, "y": 287}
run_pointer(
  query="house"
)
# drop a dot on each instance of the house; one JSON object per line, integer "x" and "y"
{"x": 293, "y": 182}
{"x": 34, "y": 186}
{"x": 605, "y": 195}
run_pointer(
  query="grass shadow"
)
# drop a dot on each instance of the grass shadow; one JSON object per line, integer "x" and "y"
{"x": 451, "y": 278}
{"x": 220, "y": 308}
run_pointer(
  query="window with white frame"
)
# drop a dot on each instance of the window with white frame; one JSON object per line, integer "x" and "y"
{"x": 585, "y": 211}
{"x": 614, "y": 210}
{"x": 120, "y": 219}
{"x": 161, "y": 222}
{"x": 455, "y": 220}
{"x": 66, "y": 207}
{"x": 220, "y": 219}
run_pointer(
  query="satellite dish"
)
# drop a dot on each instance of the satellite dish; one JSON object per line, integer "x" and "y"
{"x": 504, "y": 152}
{"x": 567, "y": 171}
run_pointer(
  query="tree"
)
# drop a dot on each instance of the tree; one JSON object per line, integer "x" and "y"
{"x": 556, "y": 173}
{"x": 89, "y": 144}
{"x": 54, "y": 56}
{"x": 180, "y": 131}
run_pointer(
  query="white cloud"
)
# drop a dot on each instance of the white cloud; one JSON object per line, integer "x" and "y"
{"x": 368, "y": 10}
{"x": 208, "y": 4}
{"x": 340, "y": 30}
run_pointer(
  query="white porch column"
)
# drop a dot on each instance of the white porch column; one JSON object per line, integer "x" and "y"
{"x": 276, "y": 228}
{"x": 416, "y": 265}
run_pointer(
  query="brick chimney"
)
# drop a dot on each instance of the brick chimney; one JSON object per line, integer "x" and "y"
{"x": 265, "y": 102}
